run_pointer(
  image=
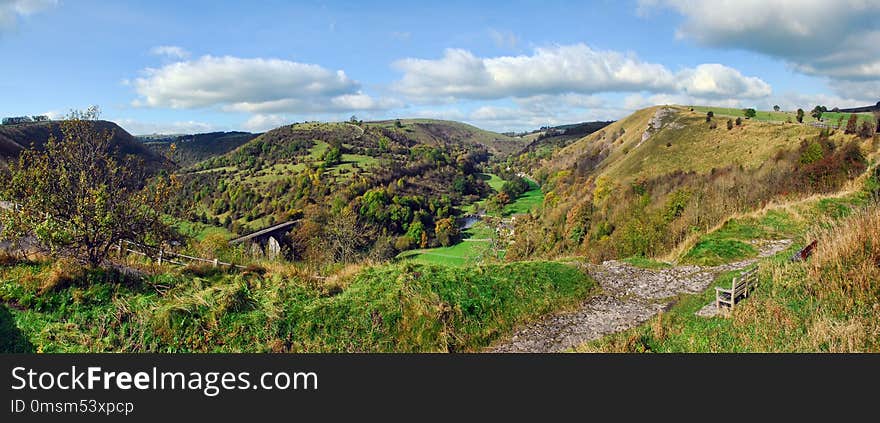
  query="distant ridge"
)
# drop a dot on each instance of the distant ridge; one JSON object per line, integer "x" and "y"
{"x": 14, "y": 138}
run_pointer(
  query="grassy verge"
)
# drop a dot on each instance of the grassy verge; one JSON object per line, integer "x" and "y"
{"x": 828, "y": 303}
{"x": 400, "y": 307}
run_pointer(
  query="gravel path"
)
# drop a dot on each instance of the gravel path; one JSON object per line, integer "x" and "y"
{"x": 629, "y": 296}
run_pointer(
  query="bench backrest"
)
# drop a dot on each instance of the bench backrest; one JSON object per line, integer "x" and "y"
{"x": 745, "y": 281}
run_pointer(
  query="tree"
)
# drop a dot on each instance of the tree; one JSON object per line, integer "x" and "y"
{"x": 343, "y": 237}
{"x": 80, "y": 198}
{"x": 446, "y": 231}
{"x": 709, "y": 115}
{"x": 776, "y": 108}
{"x": 750, "y": 113}
{"x": 800, "y": 115}
{"x": 333, "y": 156}
{"x": 851, "y": 124}
{"x": 817, "y": 112}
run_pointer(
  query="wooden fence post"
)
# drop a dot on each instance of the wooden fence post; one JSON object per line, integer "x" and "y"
{"x": 160, "y": 255}
{"x": 216, "y": 262}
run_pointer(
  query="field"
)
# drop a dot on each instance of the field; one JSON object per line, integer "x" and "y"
{"x": 830, "y": 118}
{"x": 527, "y": 202}
{"x": 476, "y": 245}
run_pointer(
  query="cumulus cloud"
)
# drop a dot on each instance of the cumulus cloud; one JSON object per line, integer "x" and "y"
{"x": 171, "y": 52}
{"x": 12, "y": 10}
{"x": 719, "y": 81}
{"x": 835, "y": 39}
{"x": 260, "y": 122}
{"x": 577, "y": 68}
{"x": 251, "y": 85}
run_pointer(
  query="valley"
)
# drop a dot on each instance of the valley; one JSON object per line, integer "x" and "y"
{"x": 427, "y": 235}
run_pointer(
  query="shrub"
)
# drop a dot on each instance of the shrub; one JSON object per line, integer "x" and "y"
{"x": 866, "y": 130}
{"x": 812, "y": 153}
{"x": 729, "y": 124}
{"x": 851, "y": 124}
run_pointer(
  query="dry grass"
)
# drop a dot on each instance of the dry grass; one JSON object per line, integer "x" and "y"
{"x": 61, "y": 274}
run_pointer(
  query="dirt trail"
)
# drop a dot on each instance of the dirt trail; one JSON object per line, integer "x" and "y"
{"x": 629, "y": 296}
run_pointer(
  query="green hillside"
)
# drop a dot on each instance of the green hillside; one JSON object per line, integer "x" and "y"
{"x": 191, "y": 149}
{"x": 399, "y": 180}
{"x": 650, "y": 182}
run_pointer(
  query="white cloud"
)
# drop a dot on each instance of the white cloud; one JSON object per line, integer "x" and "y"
{"x": 171, "y": 52}
{"x": 260, "y": 122}
{"x": 12, "y": 10}
{"x": 137, "y": 127}
{"x": 577, "y": 68}
{"x": 836, "y": 39}
{"x": 251, "y": 85}
{"x": 714, "y": 80}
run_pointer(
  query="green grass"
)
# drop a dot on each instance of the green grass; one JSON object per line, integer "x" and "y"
{"x": 463, "y": 253}
{"x": 830, "y": 118}
{"x": 199, "y": 231}
{"x": 405, "y": 307}
{"x": 493, "y": 180}
{"x": 713, "y": 251}
{"x": 527, "y": 202}
{"x": 728, "y": 243}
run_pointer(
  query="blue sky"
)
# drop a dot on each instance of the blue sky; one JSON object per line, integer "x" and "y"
{"x": 195, "y": 66}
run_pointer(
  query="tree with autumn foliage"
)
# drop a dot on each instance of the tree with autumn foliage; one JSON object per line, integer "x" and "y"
{"x": 78, "y": 197}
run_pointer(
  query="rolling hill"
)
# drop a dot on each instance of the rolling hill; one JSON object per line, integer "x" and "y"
{"x": 14, "y": 138}
{"x": 403, "y": 180}
{"x": 191, "y": 149}
{"x": 647, "y": 184}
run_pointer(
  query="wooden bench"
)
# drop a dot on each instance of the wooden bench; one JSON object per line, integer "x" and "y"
{"x": 740, "y": 288}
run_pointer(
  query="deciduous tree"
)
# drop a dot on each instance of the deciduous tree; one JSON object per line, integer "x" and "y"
{"x": 79, "y": 197}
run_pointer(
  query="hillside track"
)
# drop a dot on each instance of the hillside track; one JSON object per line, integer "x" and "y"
{"x": 629, "y": 297}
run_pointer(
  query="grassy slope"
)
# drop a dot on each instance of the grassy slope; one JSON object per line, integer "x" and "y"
{"x": 15, "y": 137}
{"x": 696, "y": 147}
{"x": 830, "y": 118}
{"x": 692, "y": 146}
{"x": 825, "y": 304}
{"x": 403, "y": 307}
{"x": 429, "y": 131}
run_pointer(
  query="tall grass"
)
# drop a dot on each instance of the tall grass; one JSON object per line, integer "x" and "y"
{"x": 403, "y": 307}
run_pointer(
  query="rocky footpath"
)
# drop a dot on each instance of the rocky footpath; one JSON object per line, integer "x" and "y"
{"x": 629, "y": 296}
